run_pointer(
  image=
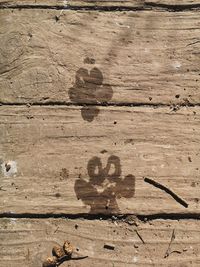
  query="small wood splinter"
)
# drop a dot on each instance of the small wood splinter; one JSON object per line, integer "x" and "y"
{"x": 61, "y": 254}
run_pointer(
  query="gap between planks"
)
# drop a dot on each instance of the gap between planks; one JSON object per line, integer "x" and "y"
{"x": 103, "y": 217}
{"x": 106, "y": 7}
{"x": 110, "y": 104}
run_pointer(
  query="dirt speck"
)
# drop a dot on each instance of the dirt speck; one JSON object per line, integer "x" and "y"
{"x": 57, "y": 195}
{"x": 129, "y": 141}
{"x": 9, "y": 168}
{"x": 64, "y": 174}
{"x": 89, "y": 60}
{"x": 193, "y": 184}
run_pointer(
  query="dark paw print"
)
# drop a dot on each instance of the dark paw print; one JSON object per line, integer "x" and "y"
{"x": 104, "y": 188}
{"x": 90, "y": 90}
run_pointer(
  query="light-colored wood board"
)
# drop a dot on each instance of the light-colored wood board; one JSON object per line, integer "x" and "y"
{"x": 174, "y": 2}
{"x": 82, "y": 3}
{"x": 51, "y": 149}
{"x": 72, "y": 3}
{"x": 28, "y": 242}
{"x": 142, "y": 57}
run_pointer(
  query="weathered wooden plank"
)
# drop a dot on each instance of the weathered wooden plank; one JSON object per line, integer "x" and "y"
{"x": 26, "y": 242}
{"x": 72, "y": 3}
{"x": 174, "y": 2}
{"x": 71, "y": 57}
{"x": 89, "y": 3}
{"x": 50, "y": 158}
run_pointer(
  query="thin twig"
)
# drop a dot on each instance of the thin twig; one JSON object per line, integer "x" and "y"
{"x": 176, "y": 251}
{"x": 79, "y": 258}
{"x": 167, "y": 253}
{"x": 167, "y": 190}
{"x": 67, "y": 258}
{"x": 140, "y": 237}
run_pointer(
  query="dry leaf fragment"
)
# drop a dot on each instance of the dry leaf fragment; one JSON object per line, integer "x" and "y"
{"x": 68, "y": 248}
{"x": 50, "y": 262}
{"x": 58, "y": 251}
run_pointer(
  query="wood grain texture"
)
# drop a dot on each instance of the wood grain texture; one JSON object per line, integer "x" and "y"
{"x": 26, "y": 242}
{"x": 174, "y": 2}
{"x": 72, "y": 3}
{"x": 143, "y": 57}
{"x": 90, "y": 156}
{"x": 99, "y": 3}
{"x": 50, "y": 155}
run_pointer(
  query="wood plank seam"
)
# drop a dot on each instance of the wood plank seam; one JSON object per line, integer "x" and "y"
{"x": 110, "y": 104}
{"x": 104, "y": 217}
{"x": 145, "y": 7}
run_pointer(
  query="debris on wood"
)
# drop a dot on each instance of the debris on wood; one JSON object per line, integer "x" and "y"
{"x": 109, "y": 246}
{"x": 167, "y": 190}
{"x": 140, "y": 237}
{"x": 176, "y": 251}
{"x": 64, "y": 174}
{"x": 57, "y": 18}
{"x": 62, "y": 254}
{"x": 50, "y": 262}
{"x": 7, "y": 166}
{"x": 58, "y": 251}
{"x": 167, "y": 253}
{"x": 68, "y": 248}
{"x": 89, "y": 60}
{"x": 132, "y": 220}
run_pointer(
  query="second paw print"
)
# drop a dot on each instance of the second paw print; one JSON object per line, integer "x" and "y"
{"x": 105, "y": 186}
{"x": 90, "y": 90}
